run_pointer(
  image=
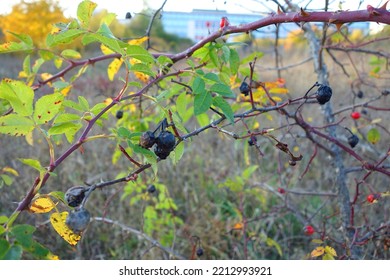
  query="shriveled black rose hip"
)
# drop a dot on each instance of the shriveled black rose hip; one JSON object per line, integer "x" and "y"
{"x": 166, "y": 140}
{"x": 75, "y": 195}
{"x": 161, "y": 152}
{"x": 353, "y": 140}
{"x": 147, "y": 140}
{"x": 244, "y": 88}
{"x": 360, "y": 94}
{"x": 324, "y": 93}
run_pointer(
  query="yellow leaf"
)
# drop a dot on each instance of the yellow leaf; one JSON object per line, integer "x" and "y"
{"x": 256, "y": 125}
{"x": 46, "y": 76}
{"x": 318, "y": 241}
{"x": 113, "y": 68}
{"x": 42, "y": 205}
{"x": 10, "y": 170}
{"x": 134, "y": 61}
{"x": 107, "y": 101}
{"x": 330, "y": 251}
{"x": 138, "y": 41}
{"x": 58, "y": 222}
{"x": 66, "y": 90}
{"x": 105, "y": 50}
{"x": 277, "y": 98}
{"x": 276, "y": 90}
{"x": 29, "y": 138}
{"x": 141, "y": 76}
{"x": 238, "y": 226}
{"x": 319, "y": 251}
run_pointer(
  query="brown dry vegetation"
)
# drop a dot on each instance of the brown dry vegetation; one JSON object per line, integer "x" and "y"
{"x": 207, "y": 208}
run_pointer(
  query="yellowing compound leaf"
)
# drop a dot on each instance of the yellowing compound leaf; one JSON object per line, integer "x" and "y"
{"x": 319, "y": 251}
{"x": 58, "y": 222}
{"x": 113, "y": 68}
{"x": 329, "y": 250}
{"x": 42, "y": 205}
{"x": 10, "y": 170}
{"x": 238, "y": 226}
{"x": 138, "y": 41}
{"x": 276, "y": 90}
{"x": 105, "y": 50}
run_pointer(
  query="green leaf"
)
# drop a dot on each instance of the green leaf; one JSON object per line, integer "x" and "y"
{"x": 4, "y": 247}
{"x": 14, "y": 253}
{"x": 23, "y": 234}
{"x": 203, "y": 119}
{"x": 26, "y": 44}
{"x": 202, "y": 53}
{"x": 16, "y": 125}
{"x": 85, "y": 11}
{"x": 3, "y": 220}
{"x": 214, "y": 57}
{"x": 7, "y": 179}
{"x": 64, "y": 37}
{"x": 63, "y": 128}
{"x": 212, "y": 77}
{"x": 84, "y": 103}
{"x": 246, "y": 174}
{"x": 251, "y": 57}
{"x": 46, "y": 55}
{"x": 202, "y": 102}
{"x": 37, "y": 64}
{"x": 149, "y": 155}
{"x": 27, "y": 65}
{"x": 198, "y": 85}
{"x": 181, "y": 104}
{"x": 373, "y": 135}
{"x": 139, "y": 53}
{"x": 71, "y": 54}
{"x": 225, "y": 53}
{"x": 68, "y": 128}
{"x": 47, "y": 107}
{"x": 223, "y": 90}
{"x": 143, "y": 68}
{"x": 221, "y": 103}
{"x": 178, "y": 152}
{"x": 234, "y": 61}
{"x": 271, "y": 242}
{"x": 33, "y": 163}
{"x": 19, "y": 95}
{"x": 164, "y": 60}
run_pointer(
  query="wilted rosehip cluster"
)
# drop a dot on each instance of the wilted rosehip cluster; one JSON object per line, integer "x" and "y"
{"x": 78, "y": 219}
{"x": 164, "y": 143}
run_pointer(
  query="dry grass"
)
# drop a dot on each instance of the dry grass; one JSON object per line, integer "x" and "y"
{"x": 209, "y": 210}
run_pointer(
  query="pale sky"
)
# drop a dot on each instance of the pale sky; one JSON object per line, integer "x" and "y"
{"x": 120, "y": 7}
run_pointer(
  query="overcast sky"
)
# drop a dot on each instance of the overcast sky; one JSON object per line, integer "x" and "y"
{"x": 120, "y": 7}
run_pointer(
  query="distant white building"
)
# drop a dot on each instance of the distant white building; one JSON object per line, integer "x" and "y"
{"x": 198, "y": 24}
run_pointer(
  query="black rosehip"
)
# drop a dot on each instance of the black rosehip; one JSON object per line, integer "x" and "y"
{"x": 75, "y": 195}
{"x": 360, "y": 94}
{"x": 147, "y": 140}
{"x": 151, "y": 188}
{"x": 166, "y": 141}
{"x": 78, "y": 220}
{"x": 119, "y": 114}
{"x": 252, "y": 141}
{"x": 353, "y": 140}
{"x": 244, "y": 88}
{"x": 199, "y": 252}
{"x": 324, "y": 93}
{"x": 161, "y": 152}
